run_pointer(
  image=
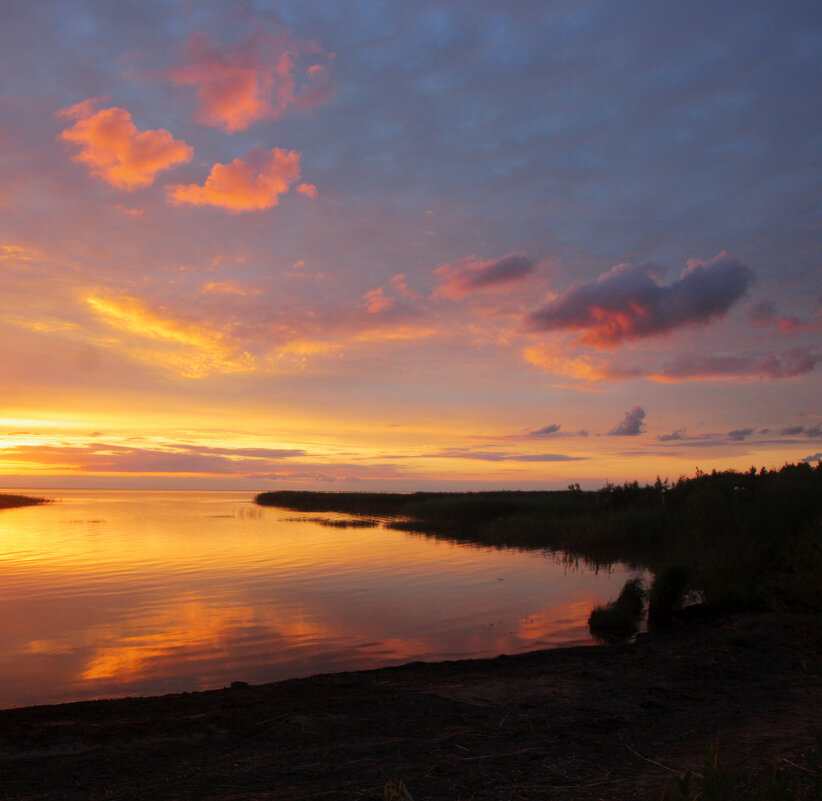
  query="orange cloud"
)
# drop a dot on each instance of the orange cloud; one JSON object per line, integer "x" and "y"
{"x": 254, "y": 79}
{"x": 374, "y": 301}
{"x": 228, "y": 288}
{"x": 201, "y": 350}
{"x": 242, "y": 185}
{"x": 114, "y": 149}
{"x": 309, "y": 190}
{"x": 83, "y": 109}
{"x": 585, "y": 366}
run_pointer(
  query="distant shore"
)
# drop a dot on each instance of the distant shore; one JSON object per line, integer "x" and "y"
{"x": 8, "y": 501}
{"x": 609, "y": 722}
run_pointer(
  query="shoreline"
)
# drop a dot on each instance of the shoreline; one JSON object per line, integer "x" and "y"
{"x": 10, "y": 501}
{"x": 608, "y": 722}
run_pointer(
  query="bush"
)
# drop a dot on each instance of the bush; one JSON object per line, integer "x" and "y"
{"x": 619, "y": 619}
{"x": 666, "y": 595}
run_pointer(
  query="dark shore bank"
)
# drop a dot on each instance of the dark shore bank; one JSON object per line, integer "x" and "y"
{"x": 9, "y": 501}
{"x": 610, "y": 722}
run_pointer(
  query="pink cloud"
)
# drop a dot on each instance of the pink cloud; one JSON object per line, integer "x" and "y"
{"x": 471, "y": 275}
{"x": 83, "y": 109}
{"x": 114, "y": 149}
{"x": 254, "y": 79}
{"x": 627, "y": 303}
{"x": 244, "y": 185}
{"x": 309, "y": 190}
{"x": 400, "y": 283}
{"x": 374, "y": 301}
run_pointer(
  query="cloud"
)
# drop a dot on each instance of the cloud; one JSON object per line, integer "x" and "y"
{"x": 739, "y": 434}
{"x": 545, "y": 431}
{"x": 204, "y": 350}
{"x": 498, "y": 456}
{"x": 458, "y": 280}
{"x": 631, "y": 425}
{"x": 374, "y": 301}
{"x": 309, "y": 190}
{"x": 83, "y": 109}
{"x": 400, "y": 283}
{"x": 627, "y": 303}
{"x": 254, "y": 79}
{"x": 787, "y": 364}
{"x": 229, "y": 288}
{"x": 250, "y": 184}
{"x": 765, "y": 315}
{"x": 114, "y": 149}
{"x": 594, "y": 365}
{"x": 790, "y": 431}
{"x": 585, "y": 366}
{"x": 103, "y": 457}
{"x": 814, "y": 457}
{"x": 388, "y": 312}
{"x": 673, "y": 436}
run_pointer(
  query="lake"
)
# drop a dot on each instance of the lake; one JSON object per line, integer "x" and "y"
{"x": 131, "y": 592}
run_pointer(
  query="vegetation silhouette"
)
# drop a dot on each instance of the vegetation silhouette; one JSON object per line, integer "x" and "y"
{"x": 8, "y": 501}
{"x": 741, "y": 540}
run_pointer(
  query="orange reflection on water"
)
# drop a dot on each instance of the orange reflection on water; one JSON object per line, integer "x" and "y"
{"x": 108, "y": 594}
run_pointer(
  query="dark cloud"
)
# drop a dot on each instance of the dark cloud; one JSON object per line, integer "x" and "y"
{"x": 787, "y": 364}
{"x": 631, "y": 425}
{"x": 814, "y": 457}
{"x": 790, "y": 431}
{"x": 548, "y": 457}
{"x": 545, "y": 431}
{"x": 814, "y": 432}
{"x": 765, "y": 315}
{"x": 458, "y": 280}
{"x": 739, "y": 434}
{"x": 627, "y": 303}
{"x": 497, "y": 456}
{"x": 675, "y": 435}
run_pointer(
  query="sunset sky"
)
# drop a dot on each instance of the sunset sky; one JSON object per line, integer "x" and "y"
{"x": 408, "y": 245}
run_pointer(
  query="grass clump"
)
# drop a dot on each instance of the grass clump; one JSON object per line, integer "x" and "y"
{"x": 396, "y": 792}
{"x": 720, "y": 781}
{"x": 619, "y": 620}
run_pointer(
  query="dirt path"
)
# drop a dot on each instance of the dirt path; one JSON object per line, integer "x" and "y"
{"x": 583, "y": 723}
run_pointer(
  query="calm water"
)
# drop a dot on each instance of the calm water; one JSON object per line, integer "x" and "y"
{"x": 114, "y": 593}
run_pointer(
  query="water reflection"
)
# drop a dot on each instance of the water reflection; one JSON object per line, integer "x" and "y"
{"x": 115, "y": 593}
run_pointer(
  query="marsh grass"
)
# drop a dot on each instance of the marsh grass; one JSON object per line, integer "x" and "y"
{"x": 352, "y": 522}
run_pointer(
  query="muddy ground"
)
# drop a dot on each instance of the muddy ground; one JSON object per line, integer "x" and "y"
{"x": 580, "y": 723}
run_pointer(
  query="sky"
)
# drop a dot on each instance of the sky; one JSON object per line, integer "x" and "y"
{"x": 407, "y": 245}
